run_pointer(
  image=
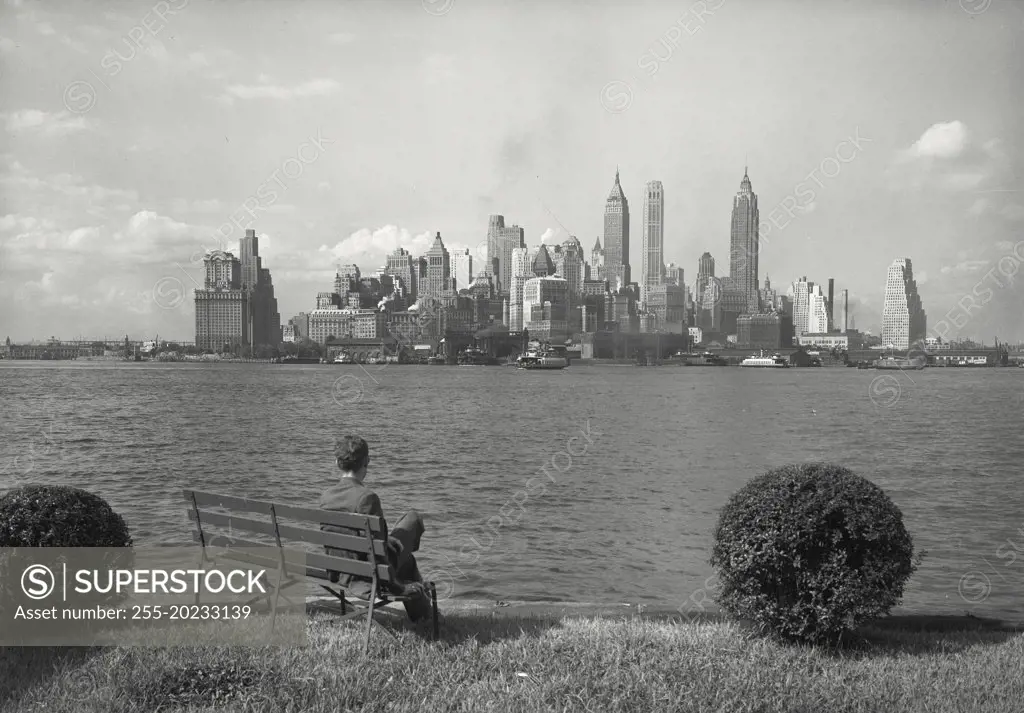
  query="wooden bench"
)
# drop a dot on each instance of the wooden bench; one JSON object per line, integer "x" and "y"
{"x": 303, "y": 525}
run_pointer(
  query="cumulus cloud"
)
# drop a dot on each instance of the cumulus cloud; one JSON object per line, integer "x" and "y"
{"x": 370, "y": 245}
{"x": 1012, "y": 212}
{"x": 947, "y": 158}
{"x": 965, "y": 267}
{"x": 49, "y": 123}
{"x": 314, "y": 87}
{"x": 979, "y": 207}
{"x": 942, "y": 140}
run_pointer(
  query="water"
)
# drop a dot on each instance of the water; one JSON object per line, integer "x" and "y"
{"x": 623, "y": 512}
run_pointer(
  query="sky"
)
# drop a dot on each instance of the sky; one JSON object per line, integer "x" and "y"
{"x": 137, "y": 136}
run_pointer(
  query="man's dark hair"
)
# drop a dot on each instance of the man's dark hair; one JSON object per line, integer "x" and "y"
{"x": 351, "y": 452}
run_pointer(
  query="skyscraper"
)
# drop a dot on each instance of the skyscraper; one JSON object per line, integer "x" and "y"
{"x": 903, "y": 317}
{"x": 265, "y": 321}
{"x": 705, "y": 271}
{"x": 652, "y": 250}
{"x": 400, "y": 264}
{"x": 616, "y": 237}
{"x": 462, "y": 269}
{"x": 817, "y": 312}
{"x": 569, "y": 264}
{"x": 501, "y": 241}
{"x": 521, "y": 272}
{"x": 597, "y": 262}
{"x": 222, "y": 306}
{"x": 437, "y": 281}
{"x": 743, "y": 245}
{"x": 800, "y": 291}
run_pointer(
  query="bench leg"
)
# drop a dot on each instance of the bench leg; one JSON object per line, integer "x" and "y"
{"x": 433, "y": 606}
{"x": 369, "y": 615}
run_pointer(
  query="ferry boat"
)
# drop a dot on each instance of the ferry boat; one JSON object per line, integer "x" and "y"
{"x": 705, "y": 359}
{"x": 543, "y": 357}
{"x": 476, "y": 357}
{"x": 300, "y": 360}
{"x": 900, "y": 363}
{"x": 775, "y": 361}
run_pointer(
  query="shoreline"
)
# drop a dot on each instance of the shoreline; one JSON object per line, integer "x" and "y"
{"x": 559, "y": 609}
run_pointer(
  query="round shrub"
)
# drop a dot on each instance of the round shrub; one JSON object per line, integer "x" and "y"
{"x": 809, "y": 551}
{"x": 59, "y": 516}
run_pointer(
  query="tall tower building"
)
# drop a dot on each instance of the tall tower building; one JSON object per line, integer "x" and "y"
{"x": 521, "y": 272}
{"x": 800, "y": 292}
{"x": 597, "y": 261}
{"x": 705, "y": 271}
{"x": 903, "y": 317}
{"x": 743, "y": 245}
{"x": 437, "y": 281}
{"x": 462, "y": 269}
{"x": 400, "y": 264}
{"x": 817, "y": 312}
{"x": 569, "y": 265}
{"x": 501, "y": 241}
{"x": 222, "y": 306}
{"x": 616, "y": 237}
{"x": 265, "y": 321}
{"x": 652, "y": 247}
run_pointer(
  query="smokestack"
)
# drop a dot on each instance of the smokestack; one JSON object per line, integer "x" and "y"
{"x": 831, "y": 311}
{"x": 846, "y": 310}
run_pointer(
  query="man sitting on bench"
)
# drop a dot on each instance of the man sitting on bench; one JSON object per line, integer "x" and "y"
{"x": 352, "y": 455}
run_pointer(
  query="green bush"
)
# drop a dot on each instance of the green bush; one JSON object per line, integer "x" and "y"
{"x": 809, "y": 551}
{"x": 59, "y": 516}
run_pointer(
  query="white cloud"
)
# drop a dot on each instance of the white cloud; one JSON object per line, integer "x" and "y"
{"x": 45, "y": 29}
{"x": 964, "y": 267}
{"x": 49, "y": 123}
{"x": 979, "y": 207}
{"x": 371, "y": 246}
{"x": 341, "y": 38}
{"x": 1013, "y": 212}
{"x": 942, "y": 140}
{"x": 921, "y": 277}
{"x": 314, "y": 87}
{"x": 551, "y": 235}
{"x": 7, "y": 45}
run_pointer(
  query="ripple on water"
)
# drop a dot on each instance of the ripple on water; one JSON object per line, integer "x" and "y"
{"x": 630, "y": 520}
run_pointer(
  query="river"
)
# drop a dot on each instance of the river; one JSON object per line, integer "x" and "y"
{"x": 629, "y": 466}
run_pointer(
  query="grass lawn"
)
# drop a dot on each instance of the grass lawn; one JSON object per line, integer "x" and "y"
{"x": 535, "y": 662}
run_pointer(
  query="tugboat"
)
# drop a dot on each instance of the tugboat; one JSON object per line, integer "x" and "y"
{"x": 775, "y": 361}
{"x": 543, "y": 357}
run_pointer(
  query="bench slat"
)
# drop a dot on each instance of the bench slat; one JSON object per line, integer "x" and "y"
{"x": 291, "y": 512}
{"x": 349, "y": 543}
{"x": 326, "y": 562}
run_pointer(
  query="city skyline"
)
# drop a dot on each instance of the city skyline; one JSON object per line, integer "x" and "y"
{"x": 105, "y": 204}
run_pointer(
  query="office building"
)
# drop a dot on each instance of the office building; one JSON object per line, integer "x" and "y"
{"x": 616, "y": 237}
{"x": 743, "y": 245}
{"x": 222, "y": 306}
{"x": 462, "y": 269}
{"x": 903, "y": 317}
{"x": 501, "y": 241}
{"x": 546, "y": 308}
{"x": 705, "y": 271}
{"x": 652, "y": 247}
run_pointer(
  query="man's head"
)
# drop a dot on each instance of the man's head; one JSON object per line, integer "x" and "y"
{"x": 353, "y": 456}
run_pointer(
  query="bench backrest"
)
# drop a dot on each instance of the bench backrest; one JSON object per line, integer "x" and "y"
{"x": 283, "y": 524}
